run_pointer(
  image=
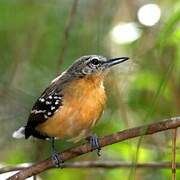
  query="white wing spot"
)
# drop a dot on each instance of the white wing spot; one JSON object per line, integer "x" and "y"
{"x": 48, "y": 102}
{"x": 42, "y": 99}
{"x": 52, "y": 107}
{"x": 49, "y": 113}
{"x": 57, "y": 102}
{"x": 35, "y": 111}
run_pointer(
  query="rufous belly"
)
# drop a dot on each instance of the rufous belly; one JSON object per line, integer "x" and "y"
{"x": 79, "y": 113}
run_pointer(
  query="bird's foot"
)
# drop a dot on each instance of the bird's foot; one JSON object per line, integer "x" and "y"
{"x": 57, "y": 161}
{"x": 94, "y": 142}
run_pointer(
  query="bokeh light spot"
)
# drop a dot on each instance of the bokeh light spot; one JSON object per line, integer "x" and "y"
{"x": 149, "y": 14}
{"x": 124, "y": 33}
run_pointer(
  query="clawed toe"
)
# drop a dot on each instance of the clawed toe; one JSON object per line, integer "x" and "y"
{"x": 57, "y": 161}
{"x": 94, "y": 142}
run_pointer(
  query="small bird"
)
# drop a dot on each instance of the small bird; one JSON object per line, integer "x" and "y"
{"x": 71, "y": 105}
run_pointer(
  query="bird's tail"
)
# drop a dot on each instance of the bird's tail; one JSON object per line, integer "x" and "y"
{"x": 20, "y": 133}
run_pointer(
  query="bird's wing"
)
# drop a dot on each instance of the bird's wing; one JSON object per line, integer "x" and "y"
{"x": 45, "y": 107}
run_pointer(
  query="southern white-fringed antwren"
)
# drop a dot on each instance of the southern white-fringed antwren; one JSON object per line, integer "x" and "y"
{"x": 71, "y": 105}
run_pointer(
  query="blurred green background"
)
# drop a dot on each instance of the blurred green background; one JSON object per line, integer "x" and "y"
{"x": 35, "y": 46}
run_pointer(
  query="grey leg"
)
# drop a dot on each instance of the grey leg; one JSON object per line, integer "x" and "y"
{"x": 58, "y": 162}
{"x": 94, "y": 142}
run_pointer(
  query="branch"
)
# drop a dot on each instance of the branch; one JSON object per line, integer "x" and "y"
{"x": 107, "y": 140}
{"x": 174, "y": 134}
{"x": 96, "y": 164}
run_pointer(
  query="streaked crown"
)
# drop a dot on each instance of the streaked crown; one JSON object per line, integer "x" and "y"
{"x": 93, "y": 64}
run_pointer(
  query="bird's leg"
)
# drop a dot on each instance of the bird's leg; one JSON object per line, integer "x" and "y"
{"x": 58, "y": 162}
{"x": 94, "y": 142}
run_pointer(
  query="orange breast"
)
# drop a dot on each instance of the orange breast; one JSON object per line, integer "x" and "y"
{"x": 83, "y": 103}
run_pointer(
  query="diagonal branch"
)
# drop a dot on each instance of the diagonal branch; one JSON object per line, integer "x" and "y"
{"x": 41, "y": 166}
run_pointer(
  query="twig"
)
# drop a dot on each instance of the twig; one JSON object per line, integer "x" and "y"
{"x": 107, "y": 140}
{"x": 66, "y": 34}
{"x": 98, "y": 164}
{"x": 174, "y": 132}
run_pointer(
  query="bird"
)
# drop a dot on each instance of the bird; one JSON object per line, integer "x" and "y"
{"x": 71, "y": 105}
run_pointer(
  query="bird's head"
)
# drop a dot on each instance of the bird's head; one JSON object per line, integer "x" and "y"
{"x": 93, "y": 65}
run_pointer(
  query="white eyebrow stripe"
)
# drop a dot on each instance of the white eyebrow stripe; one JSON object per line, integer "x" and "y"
{"x": 58, "y": 77}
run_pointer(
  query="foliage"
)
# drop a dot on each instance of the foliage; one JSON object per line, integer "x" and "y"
{"x": 143, "y": 90}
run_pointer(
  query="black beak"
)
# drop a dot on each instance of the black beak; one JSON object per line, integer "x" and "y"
{"x": 114, "y": 61}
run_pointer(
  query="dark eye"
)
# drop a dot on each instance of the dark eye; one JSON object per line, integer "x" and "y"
{"x": 95, "y": 61}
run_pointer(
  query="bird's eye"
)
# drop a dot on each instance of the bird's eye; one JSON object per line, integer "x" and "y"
{"x": 95, "y": 61}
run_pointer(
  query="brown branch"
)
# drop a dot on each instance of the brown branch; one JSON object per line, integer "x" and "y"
{"x": 66, "y": 34}
{"x": 174, "y": 133}
{"x": 97, "y": 164}
{"x": 107, "y": 140}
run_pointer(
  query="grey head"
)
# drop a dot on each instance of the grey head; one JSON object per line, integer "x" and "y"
{"x": 93, "y": 64}
{"x": 85, "y": 66}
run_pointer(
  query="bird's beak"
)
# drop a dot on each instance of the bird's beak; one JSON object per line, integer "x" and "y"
{"x": 114, "y": 61}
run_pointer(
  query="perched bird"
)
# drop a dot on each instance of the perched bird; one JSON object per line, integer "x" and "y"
{"x": 71, "y": 105}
